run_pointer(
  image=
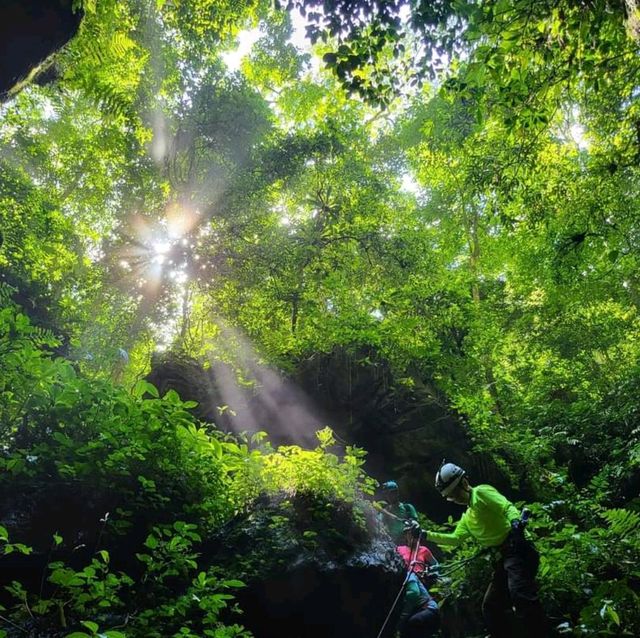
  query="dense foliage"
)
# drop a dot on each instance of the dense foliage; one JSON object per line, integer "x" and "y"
{"x": 136, "y": 483}
{"x": 479, "y": 234}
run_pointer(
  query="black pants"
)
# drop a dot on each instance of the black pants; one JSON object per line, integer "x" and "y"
{"x": 513, "y": 587}
{"x": 422, "y": 624}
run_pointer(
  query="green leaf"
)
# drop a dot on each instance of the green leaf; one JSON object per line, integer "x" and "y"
{"x": 143, "y": 387}
{"x": 234, "y": 583}
{"x": 151, "y": 542}
{"x": 172, "y": 397}
{"x": 613, "y": 614}
{"x": 91, "y": 626}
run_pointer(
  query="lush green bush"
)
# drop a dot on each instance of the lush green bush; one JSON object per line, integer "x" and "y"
{"x": 145, "y": 483}
{"x": 589, "y": 576}
{"x": 589, "y": 567}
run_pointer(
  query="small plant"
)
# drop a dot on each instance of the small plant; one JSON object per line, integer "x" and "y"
{"x": 94, "y": 632}
{"x": 171, "y": 552}
{"x": 9, "y": 548}
{"x": 194, "y": 614}
{"x": 73, "y": 593}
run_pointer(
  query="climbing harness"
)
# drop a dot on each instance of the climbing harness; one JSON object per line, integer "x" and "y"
{"x": 450, "y": 568}
{"x": 412, "y": 563}
{"x": 454, "y": 566}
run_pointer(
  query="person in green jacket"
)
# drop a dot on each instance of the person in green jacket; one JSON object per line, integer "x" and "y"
{"x": 493, "y": 522}
{"x": 395, "y": 513}
{"x": 419, "y": 617}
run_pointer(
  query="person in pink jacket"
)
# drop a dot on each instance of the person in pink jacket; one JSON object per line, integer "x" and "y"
{"x": 420, "y": 616}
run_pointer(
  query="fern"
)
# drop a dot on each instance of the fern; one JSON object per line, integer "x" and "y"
{"x": 15, "y": 333}
{"x": 622, "y": 522}
{"x": 104, "y": 61}
{"x": 121, "y": 44}
{"x": 40, "y": 337}
{"x": 6, "y": 295}
{"x": 89, "y": 46}
{"x": 110, "y": 98}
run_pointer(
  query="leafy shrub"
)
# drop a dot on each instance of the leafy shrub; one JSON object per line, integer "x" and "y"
{"x": 294, "y": 470}
{"x": 589, "y": 576}
{"x": 128, "y": 483}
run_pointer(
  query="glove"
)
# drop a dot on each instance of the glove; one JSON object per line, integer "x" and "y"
{"x": 517, "y": 525}
{"x": 413, "y": 527}
{"x": 431, "y": 575}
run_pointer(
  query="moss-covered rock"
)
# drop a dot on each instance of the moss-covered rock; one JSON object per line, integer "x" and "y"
{"x": 314, "y": 568}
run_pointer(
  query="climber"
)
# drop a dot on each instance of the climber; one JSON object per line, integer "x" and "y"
{"x": 493, "y": 522}
{"x": 395, "y": 513}
{"x": 420, "y": 616}
{"x": 423, "y": 560}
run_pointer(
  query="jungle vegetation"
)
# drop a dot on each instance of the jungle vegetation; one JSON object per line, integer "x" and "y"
{"x": 454, "y": 185}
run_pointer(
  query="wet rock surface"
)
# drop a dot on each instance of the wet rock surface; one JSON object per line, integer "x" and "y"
{"x": 313, "y": 568}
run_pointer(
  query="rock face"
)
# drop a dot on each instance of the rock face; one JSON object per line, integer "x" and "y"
{"x": 32, "y": 514}
{"x": 407, "y": 431}
{"x": 275, "y": 403}
{"x": 313, "y": 568}
{"x": 30, "y": 31}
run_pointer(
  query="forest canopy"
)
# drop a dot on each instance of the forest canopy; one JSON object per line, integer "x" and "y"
{"x": 448, "y": 190}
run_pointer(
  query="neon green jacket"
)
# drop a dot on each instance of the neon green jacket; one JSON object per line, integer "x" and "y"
{"x": 487, "y": 520}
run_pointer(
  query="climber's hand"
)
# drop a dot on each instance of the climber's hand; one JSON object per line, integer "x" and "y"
{"x": 517, "y": 525}
{"x": 413, "y": 527}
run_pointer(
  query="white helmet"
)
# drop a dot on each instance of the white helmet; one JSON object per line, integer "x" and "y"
{"x": 448, "y": 477}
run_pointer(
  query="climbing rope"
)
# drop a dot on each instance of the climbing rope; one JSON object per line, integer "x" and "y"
{"x": 454, "y": 566}
{"x": 387, "y": 512}
{"x": 412, "y": 562}
{"x": 450, "y": 569}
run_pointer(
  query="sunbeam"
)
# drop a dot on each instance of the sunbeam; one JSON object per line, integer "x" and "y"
{"x": 260, "y": 396}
